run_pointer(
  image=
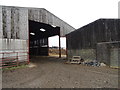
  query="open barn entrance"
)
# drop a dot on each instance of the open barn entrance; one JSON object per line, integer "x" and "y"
{"x": 54, "y": 46}
{"x": 38, "y": 38}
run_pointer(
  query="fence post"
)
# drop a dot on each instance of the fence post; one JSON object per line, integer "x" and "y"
{"x": 17, "y": 59}
{"x": 2, "y": 59}
{"x": 28, "y": 57}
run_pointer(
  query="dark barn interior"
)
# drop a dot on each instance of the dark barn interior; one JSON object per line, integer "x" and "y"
{"x": 38, "y": 37}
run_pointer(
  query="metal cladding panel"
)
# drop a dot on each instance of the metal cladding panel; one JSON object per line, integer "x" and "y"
{"x": 1, "y": 31}
{"x": 34, "y": 14}
{"x": 15, "y": 23}
{"x": 23, "y": 24}
{"x": 44, "y": 16}
{"x": 102, "y": 30}
{"x": 15, "y": 32}
{"x": 15, "y": 27}
{"x": 1, "y": 45}
{"x": 14, "y": 44}
{"x": 15, "y": 47}
{"x": 49, "y": 18}
{"x": 14, "y": 16}
{"x": 6, "y": 17}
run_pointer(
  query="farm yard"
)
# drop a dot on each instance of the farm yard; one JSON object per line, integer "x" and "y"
{"x": 24, "y": 39}
{"x": 53, "y": 72}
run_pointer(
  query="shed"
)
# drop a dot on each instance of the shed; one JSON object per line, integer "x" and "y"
{"x": 25, "y": 30}
{"x": 99, "y": 40}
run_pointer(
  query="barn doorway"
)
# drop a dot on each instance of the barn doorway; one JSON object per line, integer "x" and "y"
{"x": 54, "y": 46}
{"x": 38, "y": 38}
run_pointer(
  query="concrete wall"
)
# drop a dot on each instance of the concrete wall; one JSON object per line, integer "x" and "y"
{"x": 115, "y": 57}
{"x": 109, "y": 53}
{"x": 86, "y": 54}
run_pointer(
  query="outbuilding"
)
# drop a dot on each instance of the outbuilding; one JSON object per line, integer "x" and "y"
{"x": 99, "y": 40}
{"x": 25, "y": 31}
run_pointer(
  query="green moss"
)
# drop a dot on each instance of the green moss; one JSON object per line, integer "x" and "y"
{"x": 15, "y": 67}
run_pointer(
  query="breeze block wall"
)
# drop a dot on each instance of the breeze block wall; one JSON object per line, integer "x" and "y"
{"x": 109, "y": 53}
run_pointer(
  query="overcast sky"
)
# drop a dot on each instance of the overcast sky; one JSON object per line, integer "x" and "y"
{"x": 77, "y": 13}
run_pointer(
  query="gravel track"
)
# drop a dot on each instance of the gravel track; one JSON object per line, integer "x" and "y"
{"x": 52, "y": 72}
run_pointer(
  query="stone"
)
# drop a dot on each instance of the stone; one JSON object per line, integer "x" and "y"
{"x": 102, "y": 64}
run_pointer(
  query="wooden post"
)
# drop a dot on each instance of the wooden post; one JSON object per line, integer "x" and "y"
{"x": 58, "y": 32}
{"x": 59, "y": 47}
{"x": 17, "y": 59}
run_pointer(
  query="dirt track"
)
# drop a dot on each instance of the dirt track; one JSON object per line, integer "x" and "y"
{"x": 54, "y": 73}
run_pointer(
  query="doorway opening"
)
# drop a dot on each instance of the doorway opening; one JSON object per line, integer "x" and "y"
{"x": 54, "y": 46}
{"x": 38, "y": 38}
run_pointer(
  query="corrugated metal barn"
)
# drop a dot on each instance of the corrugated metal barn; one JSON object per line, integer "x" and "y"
{"x": 99, "y": 40}
{"x": 23, "y": 28}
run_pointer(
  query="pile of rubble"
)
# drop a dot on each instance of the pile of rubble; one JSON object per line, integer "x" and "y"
{"x": 93, "y": 63}
{"x": 79, "y": 60}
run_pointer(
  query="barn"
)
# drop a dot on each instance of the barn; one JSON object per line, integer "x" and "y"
{"x": 25, "y": 31}
{"x": 99, "y": 40}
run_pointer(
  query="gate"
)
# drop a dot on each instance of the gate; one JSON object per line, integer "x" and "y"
{"x": 10, "y": 59}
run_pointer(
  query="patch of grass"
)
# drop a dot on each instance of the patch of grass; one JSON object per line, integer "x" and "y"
{"x": 15, "y": 67}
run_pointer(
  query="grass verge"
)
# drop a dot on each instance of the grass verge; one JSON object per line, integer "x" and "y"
{"x": 15, "y": 67}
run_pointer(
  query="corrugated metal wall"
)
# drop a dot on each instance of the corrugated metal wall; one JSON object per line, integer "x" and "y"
{"x": 1, "y": 45}
{"x": 15, "y": 32}
{"x": 17, "y": 15}
{"x": 84, "y": 40}
{"x": 44, "y": 16}
{"x": 14, "y": 27}
{"x": 102, "y": 30}
{"x": 1, "y": 31}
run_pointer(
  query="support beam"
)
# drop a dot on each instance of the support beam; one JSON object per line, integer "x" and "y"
{"x": 59, "y": 47}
